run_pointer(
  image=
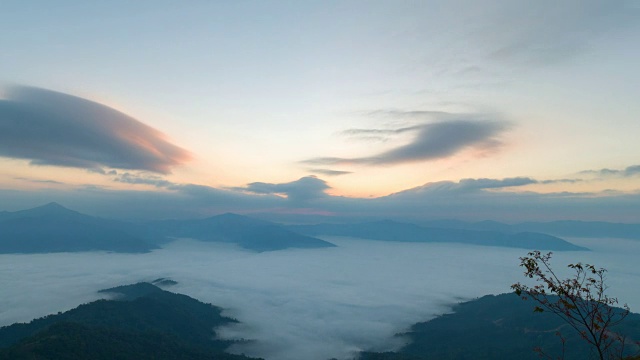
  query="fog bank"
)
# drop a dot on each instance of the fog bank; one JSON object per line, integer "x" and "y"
{"x": 307, "y": 303}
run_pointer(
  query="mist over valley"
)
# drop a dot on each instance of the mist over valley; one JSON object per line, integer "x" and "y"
{"x": 310, "y": 303}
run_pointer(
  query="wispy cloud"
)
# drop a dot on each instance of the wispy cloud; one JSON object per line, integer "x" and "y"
{"x": 39, "y": 181}
{"x": 560, "y": 181}
{"x": 329, "y": 172}
{"x": 145, "y": 179}
{"x": 380, "y": 135}
{"x": 467, "y": 185}
{"x": 626, "y": 172}
{"x": 408, "y": 114}
{"x": 550, "y": 31}
{"x": 432, "y": 141}
{"x": 52, "y": 128}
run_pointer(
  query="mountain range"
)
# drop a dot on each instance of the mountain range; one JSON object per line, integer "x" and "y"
{"x": 570, "y": 228}
{"x": 388, "y": 230}
{"x": 54, "y": 228}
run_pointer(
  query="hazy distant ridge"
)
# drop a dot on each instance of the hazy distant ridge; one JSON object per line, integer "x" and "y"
{"x": 54, "y": 228}
{"x": 388, "y": 230}
{"x": 253, "y": 234}
{"x": 573, "y": 228}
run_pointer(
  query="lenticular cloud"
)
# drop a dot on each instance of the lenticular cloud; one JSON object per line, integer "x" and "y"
{"x": 52, "y": 128}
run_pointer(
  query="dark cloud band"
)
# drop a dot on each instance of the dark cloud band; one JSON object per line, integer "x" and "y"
{"x": 432, "y": 141}
{"x": 52, "y": 128}
{"x": 626, "y": 172}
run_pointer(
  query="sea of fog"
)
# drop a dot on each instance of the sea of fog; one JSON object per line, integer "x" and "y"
{"x": 304, "y": 303}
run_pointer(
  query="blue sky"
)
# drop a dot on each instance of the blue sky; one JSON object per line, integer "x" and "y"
{"x": 492, "y": 109}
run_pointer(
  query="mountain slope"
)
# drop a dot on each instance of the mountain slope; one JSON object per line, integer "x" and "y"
{"x": 497, "y": 327}
{"x": 74, "y": 341}
{"x": 253, "y": 234}
{"x": 404, "y": 232}
{"x": 153, "y": 324}
{"x": 54, "y": 228}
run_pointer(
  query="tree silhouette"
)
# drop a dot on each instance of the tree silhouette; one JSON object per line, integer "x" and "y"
{"x": 579, "y": 300}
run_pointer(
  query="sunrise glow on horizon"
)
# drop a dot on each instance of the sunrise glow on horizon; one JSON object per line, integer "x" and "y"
{"x": 332, "y": 107}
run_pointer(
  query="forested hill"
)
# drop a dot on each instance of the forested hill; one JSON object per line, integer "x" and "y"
{"x": 498, "y": 327}
{"x": 145, "y": 322}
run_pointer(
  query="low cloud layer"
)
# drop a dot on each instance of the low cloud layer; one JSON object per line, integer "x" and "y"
{"x": 505, "y": 199}
{"x": 301, "y": 190}
{"x": 329, "y": 172}
{"x": 466, "y": 185}
{"x": 52, "y": 128}
{"x": 432, "y": 141}
{"x": 626, "y": 172}
{"x": 480, "y": 184}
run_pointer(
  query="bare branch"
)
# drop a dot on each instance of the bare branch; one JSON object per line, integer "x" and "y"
{"x": 581, "y": 301}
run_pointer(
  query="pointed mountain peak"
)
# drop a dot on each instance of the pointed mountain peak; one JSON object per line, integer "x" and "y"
{"x": 234, "y": 217}
{"x": 50, "y": 209}
{"x": 53, "y": 206}
{"x": 230, "y": 215}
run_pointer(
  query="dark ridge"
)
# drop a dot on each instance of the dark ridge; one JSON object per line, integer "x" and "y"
{"x": 498, "y": 327}
{"x": 144, "y": 320}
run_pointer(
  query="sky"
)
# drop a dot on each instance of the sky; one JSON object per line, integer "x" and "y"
{"x": 503, "y": 110}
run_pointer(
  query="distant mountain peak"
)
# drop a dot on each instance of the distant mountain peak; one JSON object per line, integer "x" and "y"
{"x": 54, "y": 228}
{"x": 230, "y": 215}
{"x": 52, "y": 208}
{"x": 237, "y": 219}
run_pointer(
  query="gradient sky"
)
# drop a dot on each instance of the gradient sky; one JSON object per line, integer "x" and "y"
{"x": 505, "y": 110}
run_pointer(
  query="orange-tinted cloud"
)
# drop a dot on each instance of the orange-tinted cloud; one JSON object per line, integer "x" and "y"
{"x": 52, "y": 128}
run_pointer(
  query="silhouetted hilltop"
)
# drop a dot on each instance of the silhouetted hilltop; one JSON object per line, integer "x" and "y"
{"x": 146, "y": 323}
{"x": 388, "y": 230}
{"x": 132, "y": 292}
{"x": 497, "y": 327}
